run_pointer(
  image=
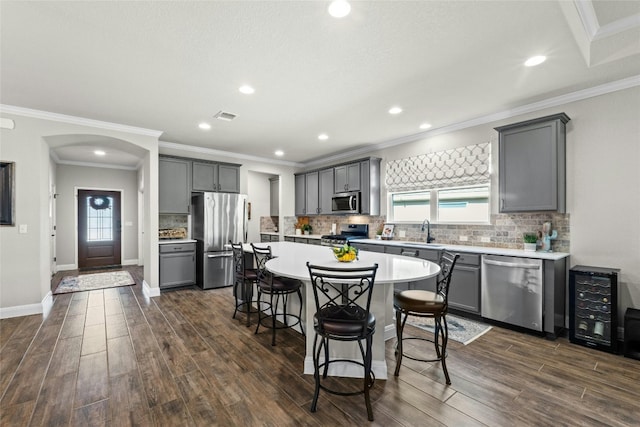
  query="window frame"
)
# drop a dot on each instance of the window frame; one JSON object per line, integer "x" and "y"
{"x": 433, "y": 205}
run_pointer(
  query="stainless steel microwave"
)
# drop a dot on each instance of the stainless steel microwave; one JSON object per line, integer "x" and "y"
{"x": 346, "y": 203}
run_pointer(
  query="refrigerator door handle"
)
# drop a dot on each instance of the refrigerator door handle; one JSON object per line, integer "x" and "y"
{"x": 222, "y": 255}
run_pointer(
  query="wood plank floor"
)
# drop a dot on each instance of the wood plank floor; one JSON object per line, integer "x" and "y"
{"x": 113, "y": 357}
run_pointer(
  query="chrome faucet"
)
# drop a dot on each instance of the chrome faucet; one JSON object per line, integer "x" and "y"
{"x": 429, "y": 238}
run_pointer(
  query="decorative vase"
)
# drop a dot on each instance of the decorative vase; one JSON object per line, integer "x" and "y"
{"x": 298, "y": 232}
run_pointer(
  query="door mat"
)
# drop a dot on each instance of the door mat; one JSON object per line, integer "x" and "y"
{"x": 90, "y": 282}
{"x": 460, "y": 329}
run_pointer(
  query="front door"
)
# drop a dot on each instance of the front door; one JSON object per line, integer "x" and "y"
{"x": 98, "y": 228}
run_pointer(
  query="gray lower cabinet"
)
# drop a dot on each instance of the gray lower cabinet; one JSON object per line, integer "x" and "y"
{"x": 432, "y": 255}
{"x": 174, "y": 177}
{"x": 368, "y": 247}
{"x": 464, "y": 289}
{"x": 269, "y": 237}
{"x": 289, "y": 239}
{"x": 177, "y": 264}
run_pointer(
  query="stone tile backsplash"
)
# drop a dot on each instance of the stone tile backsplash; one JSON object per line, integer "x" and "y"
{"x": 172, "y": 221}
{"x": 504, "y": 230}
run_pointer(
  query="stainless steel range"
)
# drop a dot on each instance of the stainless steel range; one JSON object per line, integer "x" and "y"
{"x": 347, "y": 232}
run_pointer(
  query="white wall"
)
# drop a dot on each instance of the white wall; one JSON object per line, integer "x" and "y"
{"x": 603, "y": 179}
{"x": 25, "y": 279}
{"x": 70, "y": 178}
{"x": 258, "y": 191}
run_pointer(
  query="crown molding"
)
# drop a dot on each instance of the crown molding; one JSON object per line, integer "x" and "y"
{"x": 529, "y": 108}
{"x": 63, "y": 118}
{"x": 211, "y": 151}
{"x": 96, "y": 165}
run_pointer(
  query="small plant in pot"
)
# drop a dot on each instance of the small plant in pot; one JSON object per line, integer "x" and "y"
{"x": 306, "y": 229}
{"x": 530, "y": 242}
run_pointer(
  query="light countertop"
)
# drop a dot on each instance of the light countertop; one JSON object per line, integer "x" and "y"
{"x": 175, "y": 241}
{"x": 304, "y": 236}
{"x": 291, "y": 261}
{"x": 468, "y": 249}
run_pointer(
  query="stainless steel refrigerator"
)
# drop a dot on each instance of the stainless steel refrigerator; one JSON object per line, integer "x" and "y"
{"x": 216, "y": 219}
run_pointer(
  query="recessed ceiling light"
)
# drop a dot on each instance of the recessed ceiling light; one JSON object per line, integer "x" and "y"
{"x": 204, "y": 126}
{"x": 323, "y": 137}
{"x": 99, "y": 152}
{"x": 339, "y": 8}
{"x": 246, "y": 89}
{"x": 395, "y": 110}
{"x": 425, "y": 126}
{"x": 535, "y": 60}
{"x": 279, "y": 153}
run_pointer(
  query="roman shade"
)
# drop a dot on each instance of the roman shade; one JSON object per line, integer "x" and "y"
{"x": 462, "y": 166}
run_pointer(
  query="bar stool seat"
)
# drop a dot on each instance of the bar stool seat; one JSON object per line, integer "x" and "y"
{"x": 276, "y": 288}
{"x": 421, "y": 303}
{"x": 342, "y": 300}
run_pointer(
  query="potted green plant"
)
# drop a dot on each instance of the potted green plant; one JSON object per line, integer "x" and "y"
{"x": 379, "y": 233}
{"x": 530, "y": 242}
{"x": 306, "y": 228}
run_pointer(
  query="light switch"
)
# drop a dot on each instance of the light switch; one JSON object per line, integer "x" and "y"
{"x": 403, "y": 233}
{"x": 22, "y": 229}
{"x": 464, "y": 238}
{"x": 128, "y": 223}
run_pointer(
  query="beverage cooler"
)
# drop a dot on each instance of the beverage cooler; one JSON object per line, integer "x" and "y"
{"x": 593, "y": 307}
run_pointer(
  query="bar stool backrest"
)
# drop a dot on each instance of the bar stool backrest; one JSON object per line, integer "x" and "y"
{"x": 447, "y": 264}
{"x": 343, "y": 295}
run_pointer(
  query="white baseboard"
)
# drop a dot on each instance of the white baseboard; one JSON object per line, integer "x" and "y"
{"x": 65, "y": 267}
{"x": 389, "y": 332}
{"x": 27, "y": 310}
{"x": 47, "y": 304}
{"x": 130, "y": 262}
{"x": 149, "y": 291}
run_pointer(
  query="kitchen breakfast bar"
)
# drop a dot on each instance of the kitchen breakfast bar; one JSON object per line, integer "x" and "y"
{"x": 290, "y": 260}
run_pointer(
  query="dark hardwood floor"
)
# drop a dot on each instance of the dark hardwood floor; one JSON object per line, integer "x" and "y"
{"x": 113, "y": 357}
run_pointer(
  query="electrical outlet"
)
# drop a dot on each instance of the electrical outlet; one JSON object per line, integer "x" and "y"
{"x": 464, "y": 238}
{"x": 402, "y": 233}
{"x": 485, "y": 239}
{"x": 22, "y": 229}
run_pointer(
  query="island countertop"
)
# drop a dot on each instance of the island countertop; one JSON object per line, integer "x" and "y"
{"x": 290, "y": 260}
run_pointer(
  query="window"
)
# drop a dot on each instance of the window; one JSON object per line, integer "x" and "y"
{"x": 453, "y": 205}
{"x": 410, "y": 206}
{"x": 464, "y": 204}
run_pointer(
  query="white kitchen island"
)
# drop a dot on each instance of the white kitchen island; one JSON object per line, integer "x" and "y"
{"x": 290, "y": 260}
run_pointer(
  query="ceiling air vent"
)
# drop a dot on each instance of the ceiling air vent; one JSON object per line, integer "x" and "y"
{"x": 223, "y": 115}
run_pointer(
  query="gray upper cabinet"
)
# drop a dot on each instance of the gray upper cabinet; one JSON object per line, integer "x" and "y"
{"x": 274, "y": 193}
{"x": 313, "y": 192}
{"x": 347, "y": 178}
{"x": 204, "y": 176}
{"x": 325, "y": 191}
{"x": 300, "y": 193}
{"x": 532, "y": 163}
{"x": 174, "y": 177}
{"x": 228, "y": 178}
{"x": 209, "y": 176}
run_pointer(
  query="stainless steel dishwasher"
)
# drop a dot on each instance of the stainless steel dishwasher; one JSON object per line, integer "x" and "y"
{"x": 512, "y": 290}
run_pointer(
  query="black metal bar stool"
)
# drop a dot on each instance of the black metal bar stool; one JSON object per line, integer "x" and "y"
{"x": 426, "y": 304}
{"x": 277, "y": 288}
{"x": 243, "y": 281}
{"x": 343, "y": 299}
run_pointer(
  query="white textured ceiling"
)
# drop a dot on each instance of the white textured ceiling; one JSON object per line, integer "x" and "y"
{"x": 170, "y": 65}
